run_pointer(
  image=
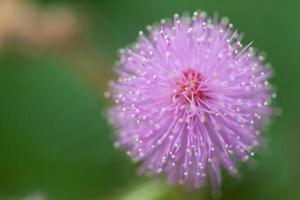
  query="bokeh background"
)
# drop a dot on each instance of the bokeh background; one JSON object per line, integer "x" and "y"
{"x": 56, "y": 57}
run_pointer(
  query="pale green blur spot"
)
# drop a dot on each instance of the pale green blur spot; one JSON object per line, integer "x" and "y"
{"x": 152, "y": 190}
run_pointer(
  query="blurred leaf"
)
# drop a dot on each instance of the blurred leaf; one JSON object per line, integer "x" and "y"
{"x": 53, "y": 136}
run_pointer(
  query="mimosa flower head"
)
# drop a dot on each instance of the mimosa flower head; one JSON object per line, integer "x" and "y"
{"x": 190, "y": 100}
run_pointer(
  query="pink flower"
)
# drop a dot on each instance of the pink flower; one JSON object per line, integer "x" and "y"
{"x": 190, "y": 100}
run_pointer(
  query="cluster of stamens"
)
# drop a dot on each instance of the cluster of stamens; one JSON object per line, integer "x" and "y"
{"x": 189, "y": 85}
{"x": 190, "y": 100}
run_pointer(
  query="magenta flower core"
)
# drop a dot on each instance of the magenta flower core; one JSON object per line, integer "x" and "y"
{"x": 190, "y": 100}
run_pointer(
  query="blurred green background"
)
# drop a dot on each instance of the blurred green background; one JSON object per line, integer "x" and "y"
{"x": 55, "y": 60}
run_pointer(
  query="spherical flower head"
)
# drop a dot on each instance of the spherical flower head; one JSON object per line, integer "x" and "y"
{"x": 190, "y": 100}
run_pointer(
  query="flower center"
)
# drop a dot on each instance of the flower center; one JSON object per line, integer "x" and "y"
{"x": 189, "y": 85}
